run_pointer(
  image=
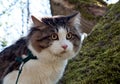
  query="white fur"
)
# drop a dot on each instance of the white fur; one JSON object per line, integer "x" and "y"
{"x": 57, "y": 49}
{"x": 49, "y": 67}
{"x": 83, "y": 36}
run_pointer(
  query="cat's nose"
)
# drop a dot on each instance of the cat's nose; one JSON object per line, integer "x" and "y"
{"x": 64, "y": 46}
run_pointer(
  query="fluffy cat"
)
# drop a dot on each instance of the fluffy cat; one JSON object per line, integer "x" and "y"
{"x": 53, "y": 40}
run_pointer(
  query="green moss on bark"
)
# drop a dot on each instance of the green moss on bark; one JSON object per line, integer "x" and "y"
{"x": 99, "y": 59}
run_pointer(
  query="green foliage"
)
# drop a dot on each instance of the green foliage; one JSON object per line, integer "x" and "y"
{"x": 99, "y": 60}
{"x": 3, "y": 43}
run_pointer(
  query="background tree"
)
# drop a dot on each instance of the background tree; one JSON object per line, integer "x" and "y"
{"x": 91, "y": 10}
{"x": 15, "y": 18}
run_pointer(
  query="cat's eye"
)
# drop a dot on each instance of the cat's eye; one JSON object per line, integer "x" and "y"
{"x": 69, "y": 35}
{"x": 54, "y": 36}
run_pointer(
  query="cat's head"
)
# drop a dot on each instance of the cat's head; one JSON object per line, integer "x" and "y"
{"x": 59, "y": 35}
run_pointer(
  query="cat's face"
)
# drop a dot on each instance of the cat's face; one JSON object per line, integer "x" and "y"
{"x": 58, "y": 35}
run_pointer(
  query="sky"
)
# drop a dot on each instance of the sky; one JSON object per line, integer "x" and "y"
{"x": 111, "y": 1}
{"x": 11, "y": 27}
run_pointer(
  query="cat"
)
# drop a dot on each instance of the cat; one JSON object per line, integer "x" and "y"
{"x": 53, "y": 40}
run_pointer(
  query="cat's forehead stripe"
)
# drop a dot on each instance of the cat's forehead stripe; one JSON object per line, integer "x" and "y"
{"x": 62, "y": 30}
{"x": 62, "y": 33}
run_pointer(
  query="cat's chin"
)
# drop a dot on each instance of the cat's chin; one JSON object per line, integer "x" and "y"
{"x": 65, "y": 55}
{"x": 63, "y": 52}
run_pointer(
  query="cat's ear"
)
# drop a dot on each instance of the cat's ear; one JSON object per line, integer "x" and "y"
{"x": 74, "y": 19}
{"x": 36, "y": 21}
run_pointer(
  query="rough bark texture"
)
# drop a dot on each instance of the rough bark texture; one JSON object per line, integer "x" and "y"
{"x": 99, "y": 59}
{"x": 90, "y": 12}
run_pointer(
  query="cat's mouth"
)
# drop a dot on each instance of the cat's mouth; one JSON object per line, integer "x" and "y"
{"x": 62, "y": 52}
{"x": 65, "y": 54}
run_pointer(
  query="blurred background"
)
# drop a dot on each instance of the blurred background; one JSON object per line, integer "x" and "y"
{"x": 15, "y": 18}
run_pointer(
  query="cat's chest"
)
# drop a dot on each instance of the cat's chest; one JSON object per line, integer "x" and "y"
{"x": 52, "y": 71}
{"x": 57, "y": 71}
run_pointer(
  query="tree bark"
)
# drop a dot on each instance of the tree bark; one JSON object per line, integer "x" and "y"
{"x": 65, "y": 7}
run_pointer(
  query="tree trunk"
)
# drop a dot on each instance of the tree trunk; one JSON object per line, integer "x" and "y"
{"x": 90, "y": 13}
